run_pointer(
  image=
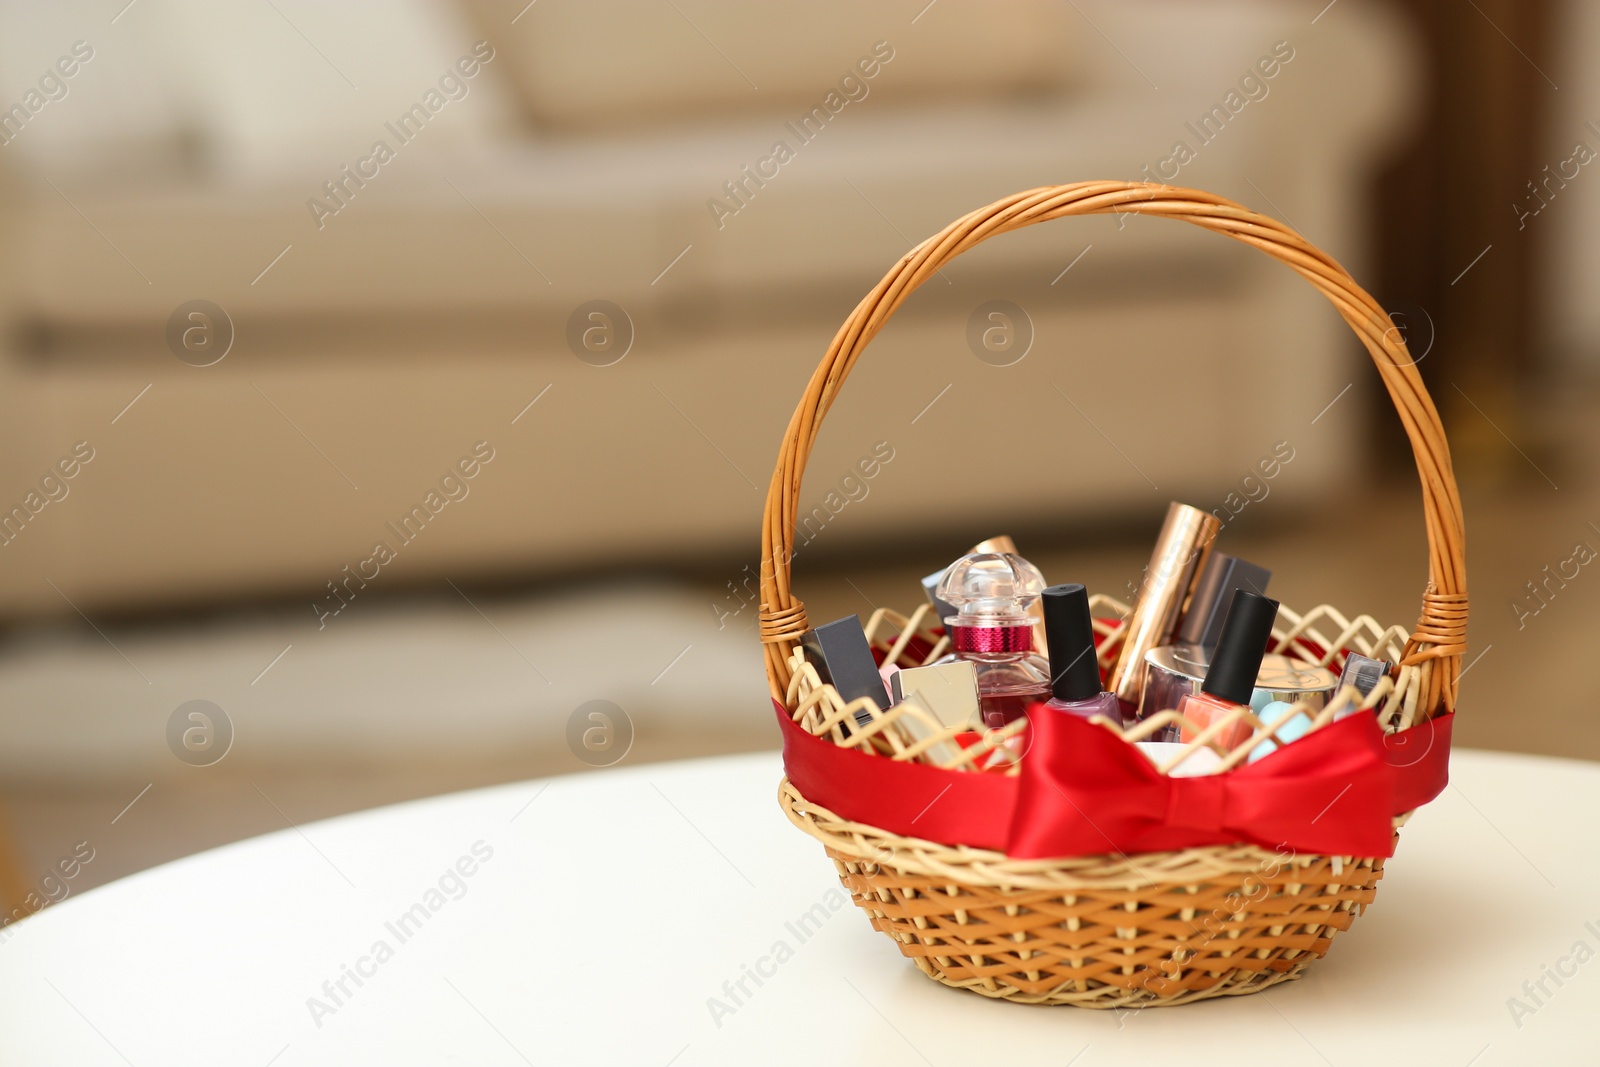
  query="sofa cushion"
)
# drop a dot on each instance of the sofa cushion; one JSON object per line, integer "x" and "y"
{"x": 614, "y": 63}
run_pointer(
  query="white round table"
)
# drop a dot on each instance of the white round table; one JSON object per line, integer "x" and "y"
{"x": 611, "y": 918}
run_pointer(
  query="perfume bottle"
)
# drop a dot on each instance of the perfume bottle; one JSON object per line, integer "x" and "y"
{"x": 992, "y": 592}
{"x": 1231, "y": 678}
{"x": 1004, "y": 543}
{"x": 1074, "y": 672}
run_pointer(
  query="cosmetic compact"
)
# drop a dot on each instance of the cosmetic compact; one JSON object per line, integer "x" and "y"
{"x": 1175, "y": 670}
{"x": 1361, "y": 673}
{"x": 921, "y": 729}
{"x": 949, "y": 692}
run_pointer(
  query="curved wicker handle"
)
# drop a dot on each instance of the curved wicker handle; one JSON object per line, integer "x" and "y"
{"x": 1440, "y": 637}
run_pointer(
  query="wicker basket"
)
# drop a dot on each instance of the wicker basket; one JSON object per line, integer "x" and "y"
{"x": 1119, "y": 930}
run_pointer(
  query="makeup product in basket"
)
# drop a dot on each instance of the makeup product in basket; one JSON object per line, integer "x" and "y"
{"x": 1364, "y": 673}
{"x": 887, "y": 671}
{"x": 1361, "y": 672}
{"x": 1213, "y": 592}
{"x": 1292, "y": 723}
{"x": 1180, "y": 554}
{"x": 930, "y": 589}
{"x": 949, "y": 690}
{"x": 1294, "y": 681}
{"x": 843, "y": 658}
{"x": 1230, "y": 680}
{"x": 1003, "y": 544}
{"x": 1175, "y": 670}
{"x": 991, "y": 592}
{"x": 918, "y": 728}
{"x": 1171, "y": 672}
{"x": 1179, "y": 668}
{"x": 1074, "y": 672}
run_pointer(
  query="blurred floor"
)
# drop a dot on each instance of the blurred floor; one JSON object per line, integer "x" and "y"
{"x": 1525, "y": 690}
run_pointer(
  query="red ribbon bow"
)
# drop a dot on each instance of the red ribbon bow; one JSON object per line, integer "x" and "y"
{"x": 1328, "y": 792}
{"x": 1085, "y": 791}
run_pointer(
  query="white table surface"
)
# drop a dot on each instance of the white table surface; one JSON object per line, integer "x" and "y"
{"x": 615, "y": 904}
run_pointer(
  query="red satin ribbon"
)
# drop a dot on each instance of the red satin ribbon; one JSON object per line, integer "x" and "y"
{"x": 1084, "y": 791}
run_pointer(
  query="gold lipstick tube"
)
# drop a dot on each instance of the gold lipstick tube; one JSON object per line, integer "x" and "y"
{"x": 1180, "y": 553}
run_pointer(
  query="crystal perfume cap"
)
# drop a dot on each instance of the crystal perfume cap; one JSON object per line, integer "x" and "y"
{"x": 992, "y": 589}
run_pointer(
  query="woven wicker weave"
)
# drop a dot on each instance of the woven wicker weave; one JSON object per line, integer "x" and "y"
{"x": 975, "y": 919}
{"x": 1111, "y": 931}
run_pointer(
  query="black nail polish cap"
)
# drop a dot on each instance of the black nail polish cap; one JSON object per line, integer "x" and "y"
{"x": 842, "y": 657}
{"x": 1237, "y": 661}
{"x": 1068, "y": 629}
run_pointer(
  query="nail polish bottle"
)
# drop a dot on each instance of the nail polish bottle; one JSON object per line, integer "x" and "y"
{"x": 1173, "y": 670}
{"x": 1231, "y": 679}
{"x": 1074, "y": 672}
{"x": 992, "y": 592}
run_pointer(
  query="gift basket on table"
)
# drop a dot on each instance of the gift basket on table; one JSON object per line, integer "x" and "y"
{"x": 1187, "y": 797}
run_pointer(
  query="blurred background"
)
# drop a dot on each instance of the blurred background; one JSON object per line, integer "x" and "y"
{"x": 400, "y": 382}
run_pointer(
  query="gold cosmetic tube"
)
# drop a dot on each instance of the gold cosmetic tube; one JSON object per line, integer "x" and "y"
{"x": 1003, "y": 543}
{"x": 1180, "y": 553}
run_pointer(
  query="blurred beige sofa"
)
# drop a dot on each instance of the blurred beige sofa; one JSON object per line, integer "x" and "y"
{"x": 429, "y": 306}
{"x": 402, "y": 317}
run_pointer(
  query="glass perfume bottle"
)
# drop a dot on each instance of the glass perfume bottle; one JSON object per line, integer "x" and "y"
{"x": 991, "y": 593}
{"x": 1074, "y": 672}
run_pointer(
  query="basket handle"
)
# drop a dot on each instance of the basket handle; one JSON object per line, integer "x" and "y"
{"x": 1439, "y": 640}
